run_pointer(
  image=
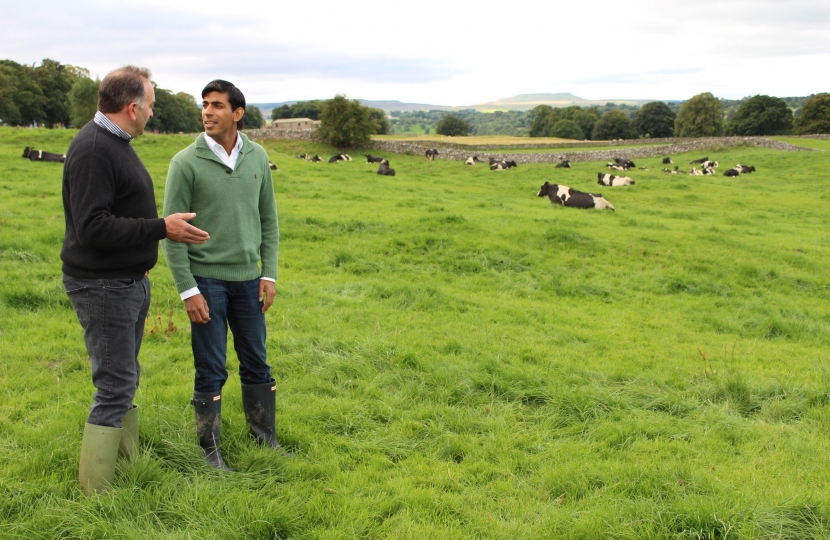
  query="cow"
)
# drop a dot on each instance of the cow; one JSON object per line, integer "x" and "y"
{"x": 384, "y": 168}
{"x": 572, "y": 198}
{"x": 699, "y": 161}
{"x": 744, "y": 168}
{"x": 303, "y": 156}
{"x": 709, "y": 164}
{"x": 732, "y": 172}
{"x": 667, "y": 161}
{"x": 694, "y": 171}
{"x": 470, "y": 161}
{"x": 502, "y": 165}
{"x": 373, "y": 159}
{"x": 339, "y": 157}
{"x": 627, "y": 163}
{"x": 273, "y": 166}
{"x": 612, "y": 165}
{"x": 676, "y": 170}
{"x": 564, "y": 164}
{"x": 613, "y": 181}
{"x": 430, "y": 154}
{"x": 26, "y": 151}
{"x": 40, "y": 155}
{"x": 315, "y": 159}
{"x": 347, "y": 157}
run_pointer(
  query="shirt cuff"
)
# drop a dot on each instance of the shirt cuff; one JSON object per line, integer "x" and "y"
{"x": 189, "y": 292}
{"x": 268, "y": 279}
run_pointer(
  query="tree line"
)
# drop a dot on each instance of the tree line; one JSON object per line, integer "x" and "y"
{"x": 61, "y": 95}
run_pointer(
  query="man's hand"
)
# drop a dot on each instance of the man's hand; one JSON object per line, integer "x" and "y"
{"x": 197, "y": 309}
{"x": 179, "y": 230}
{"x": 267, "y": 292}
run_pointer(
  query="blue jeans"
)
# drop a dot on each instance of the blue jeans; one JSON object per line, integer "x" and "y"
{"x": 112, "y": 313}
{"x": 235, "y": 304}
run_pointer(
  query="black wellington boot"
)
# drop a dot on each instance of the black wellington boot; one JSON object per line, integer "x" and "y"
{"x": 260, "y": 404}
{"x": 208, "y": 407}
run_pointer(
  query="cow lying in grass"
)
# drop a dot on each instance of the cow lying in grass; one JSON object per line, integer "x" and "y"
{"x": 744, "y": 169}
{"x": 676, "y": 170}
{"x": 315, "y": 158}
{"x": 667, "y": 161}
{"x": 613, "y": 181}
{"x": 572, "y": 198}
{"x": 339, "y": 157}
{"x": 373, "y": 159}
{"x": 564, "y": 164}
{"x": 303, "y": 156}
{"x": 699, "y": 161}
{"x": 273, "y": 166}
{"x": 384, "y": 168}
{"x": 694, "y": 171}
{"x": 40, "y": 155}
{"x": 501, "y": 165}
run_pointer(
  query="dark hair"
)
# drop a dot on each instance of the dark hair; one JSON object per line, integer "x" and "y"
{"x": 121, "y": 87}
{"x": 235, "y": 96}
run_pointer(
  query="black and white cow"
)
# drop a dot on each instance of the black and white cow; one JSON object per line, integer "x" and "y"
{"x": 339, "y": 157}
{"x": 315, "y": 158}
{"x": 745, "y": 169}
{"x": 699, "y": 161}
{"x": 676, "y": 170}
{"x": 373, "y": 159}
{"x": 303, "y": 156}
{"x": 616, "y": 167}
{"x": 40, "y": 155}
{"x": 627, "y": 163}
{"x": 502, "y": 165}
{"x": 667, "y": 161}
{"x": 732, "y": 172}
{"x": 384, "y": 168}
{"x": 572, "y": 198}
{"x": 430, "y": 154}
{"x": 471, "y": 160}
{"x": 273, "y": 166}
{"x": 564, "y": 164}
{"x": 613, "y": 181}
{"x": 709, "y": 164}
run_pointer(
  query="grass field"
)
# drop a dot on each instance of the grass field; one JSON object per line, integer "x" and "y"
{"x": 457, "y": 358}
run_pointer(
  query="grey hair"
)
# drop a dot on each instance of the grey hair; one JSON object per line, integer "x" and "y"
{"x": 121, "y": 87}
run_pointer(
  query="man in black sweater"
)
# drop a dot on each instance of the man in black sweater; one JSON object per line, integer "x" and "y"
{"x": 110, "y": 245}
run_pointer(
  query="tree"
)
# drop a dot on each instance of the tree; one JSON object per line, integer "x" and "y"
{"x": 83, "y": 101}
{"x": 701, "y": 116}
{"x": 175, "y": 113}
{"x": 613, "y": 125}
{"x": 307, "y": 109}
{"x": 540, "y": 121}
{"x": 452, "y": 126}
{"x": 345, "y": 123}
{"x": 567, "y": 129}
{"x": 761, "y": 115}
{"x": 654, "y": 120}
{"x": 28, "y": 100}
{"x": 55, "y": 83}
{"x": 278, "y": 113}
{"x": 587, "y": 119}
{"x": 253, "y": 118}
{"x": 381, "y": 122}
{"x": 814, "y": 117}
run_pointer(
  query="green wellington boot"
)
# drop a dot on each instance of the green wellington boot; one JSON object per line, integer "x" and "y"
{"x": 129, "y": 435}
{"x": 99, "y": 450}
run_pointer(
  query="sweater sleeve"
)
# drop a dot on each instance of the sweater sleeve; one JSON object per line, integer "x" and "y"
{"x": 178, "y": 193}
{"x": 269, "y": 249}
{"x": 92, "y": 193}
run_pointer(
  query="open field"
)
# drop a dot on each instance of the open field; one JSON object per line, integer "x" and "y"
{"x": 457, "y": 358}
{"x": 472, "y": 141}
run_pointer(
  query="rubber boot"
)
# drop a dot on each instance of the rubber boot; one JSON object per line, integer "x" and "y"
{"x": 99, "y": 451}
{"x": 208, "y": 407}
{"x": 260, "y": 404}
{"x": 129, "y": 435}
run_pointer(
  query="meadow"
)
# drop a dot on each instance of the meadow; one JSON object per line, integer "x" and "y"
{"x": 457, "y": 358}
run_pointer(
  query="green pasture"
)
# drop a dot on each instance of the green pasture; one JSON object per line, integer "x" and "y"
{"x": 457, "y": 358}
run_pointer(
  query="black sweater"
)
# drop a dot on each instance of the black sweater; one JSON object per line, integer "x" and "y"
{"x": 112, "y": 223}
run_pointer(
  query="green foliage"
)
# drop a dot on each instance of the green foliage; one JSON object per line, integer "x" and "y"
{"x": 540, "y": 121}
{"x": 654, "y": 120}
{"x": 814, "y": 117}
{"x": 83, "y": 101}
{"x": 613, "y": 125}
{"x": 701, "y": 116}
{"x": 312, "y": 110}
{"x": 253, "y": 118}
{"x": 345, "y": 123}
{"x": 567, "y": 129}
{"x": 543, "y": 118}
{"x": 452, "y": 125}
{"x": 175, "y": 113}
{"x": 761, "y": 115}
{"x": 378, "y": 117}
{"x": 55, "y": 83}
{"x": 25, "y": 98}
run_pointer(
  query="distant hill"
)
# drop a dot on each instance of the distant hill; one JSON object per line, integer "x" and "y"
{"x": 522, "y": 102}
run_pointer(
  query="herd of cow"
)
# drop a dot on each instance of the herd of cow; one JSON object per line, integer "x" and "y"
{"x": 558, "y": 194}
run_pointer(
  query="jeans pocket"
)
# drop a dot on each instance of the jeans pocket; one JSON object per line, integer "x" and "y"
{"x": 115, "y": 284}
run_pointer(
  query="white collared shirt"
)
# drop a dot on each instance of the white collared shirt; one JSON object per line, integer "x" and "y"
{"x": 230, "y": 161}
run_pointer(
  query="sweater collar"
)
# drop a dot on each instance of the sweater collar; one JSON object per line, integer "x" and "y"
{"x": 204, "y": 151}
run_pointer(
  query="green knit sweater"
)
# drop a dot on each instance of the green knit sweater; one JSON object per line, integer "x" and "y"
{"x": 236, "y": 207}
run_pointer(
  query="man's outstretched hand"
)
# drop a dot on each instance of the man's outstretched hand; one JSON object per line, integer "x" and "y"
{"x": 179, "y": 230}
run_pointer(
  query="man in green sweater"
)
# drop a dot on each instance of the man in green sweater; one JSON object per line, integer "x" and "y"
{"x": 224, "y": 178}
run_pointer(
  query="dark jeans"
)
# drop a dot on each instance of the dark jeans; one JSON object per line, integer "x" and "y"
{"x": 112, "y": 314}
{"x": 235, "y": 304}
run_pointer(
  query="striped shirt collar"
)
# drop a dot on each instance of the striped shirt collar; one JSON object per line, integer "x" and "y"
{"x": 102, "y": 120}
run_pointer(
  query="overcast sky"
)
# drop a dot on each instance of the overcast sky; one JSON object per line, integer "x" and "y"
{"x": 444, "y": 52}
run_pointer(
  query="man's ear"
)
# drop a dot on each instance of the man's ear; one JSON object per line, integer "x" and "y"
{"x": 131, "y": 111}
{"x": 238, "y": 114}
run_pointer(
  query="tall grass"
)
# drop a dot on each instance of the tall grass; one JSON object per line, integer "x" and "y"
{"x": 457, "y": 358}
